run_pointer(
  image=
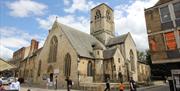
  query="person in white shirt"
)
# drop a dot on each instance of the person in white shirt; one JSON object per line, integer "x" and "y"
{"x": 15, "y": 85}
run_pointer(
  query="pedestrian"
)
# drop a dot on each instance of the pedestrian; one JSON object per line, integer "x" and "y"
{"x": 107, "y": 85}
{"x": 121, "y": 87}
{"x": 132, "y": 84}
{"x": 1, "y": 86}
{"x": 15, "y": 85}
{"x": 48, "y": 82}
{"x": 69, "y": 83}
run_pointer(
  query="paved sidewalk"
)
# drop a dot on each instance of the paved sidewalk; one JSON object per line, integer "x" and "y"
{"x": 40, "y": 89}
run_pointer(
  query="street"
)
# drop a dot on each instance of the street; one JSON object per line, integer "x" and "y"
{"x": 153, "y": 88}
{"x": 157, "y": 88}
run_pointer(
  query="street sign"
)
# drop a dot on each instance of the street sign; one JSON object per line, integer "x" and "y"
{"x": 56, "y": 71}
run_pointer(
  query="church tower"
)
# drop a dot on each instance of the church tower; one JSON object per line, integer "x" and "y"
{"x": 102, "y": 23}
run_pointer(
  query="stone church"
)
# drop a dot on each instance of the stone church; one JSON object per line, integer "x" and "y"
{"x": 82, "y": 57}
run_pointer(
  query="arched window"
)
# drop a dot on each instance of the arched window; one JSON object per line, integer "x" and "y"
{"x": 39, "y": 69}
{"x": 98, "y": 14}
{"x": 132, "y": 60}
{"x": 89, "y": 69}
{"x": 108, "y": 16}
{"x": 53, "y": 49}
{"x": 67, "y": 65}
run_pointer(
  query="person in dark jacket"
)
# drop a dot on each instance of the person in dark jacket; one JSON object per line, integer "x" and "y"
{"x": 132, "y": 84}
{"x": 69, "y": 83}
{"x": 107, "y": 85}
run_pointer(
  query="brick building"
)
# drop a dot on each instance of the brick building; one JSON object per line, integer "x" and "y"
{"x": 163, "y": 29}
{"x": 22, "y": 54}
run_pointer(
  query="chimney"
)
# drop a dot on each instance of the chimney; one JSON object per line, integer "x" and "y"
{"x": 34, "y": 45}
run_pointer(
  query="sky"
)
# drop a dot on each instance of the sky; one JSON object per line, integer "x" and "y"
{"x": 23, "y": 20}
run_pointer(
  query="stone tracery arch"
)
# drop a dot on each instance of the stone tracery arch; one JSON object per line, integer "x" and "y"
{"x": 53, "y": 49}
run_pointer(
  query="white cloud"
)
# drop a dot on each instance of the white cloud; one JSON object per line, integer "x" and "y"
{"x": 81, "y": 5}
{"x": 130, "y": 18}
{"x": 24, "y": 8}
{"x": 66, "y": 2}
{"x": 12, "y": 38}
{"x": 80, "y": 23}
{"x": 5, "y": 53}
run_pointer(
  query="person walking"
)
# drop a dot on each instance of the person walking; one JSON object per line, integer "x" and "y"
{"x": 47, "y": 82}
{"x": 15, "y": 85}
{"x": 132, "y": 84}
{"x": 69, "y": 83}
{"x": 121, "y": 87}
{"x": 107, "y": 85}
{"x": 1, "y": 86}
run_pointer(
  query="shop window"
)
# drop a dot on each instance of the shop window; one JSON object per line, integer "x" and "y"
{"x": 170, "y": 41}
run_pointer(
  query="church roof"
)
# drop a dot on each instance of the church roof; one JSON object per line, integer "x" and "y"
{"x": 82, "y": 42}
{"x": 109, "y": 53}
{"x": 117, "y": 40}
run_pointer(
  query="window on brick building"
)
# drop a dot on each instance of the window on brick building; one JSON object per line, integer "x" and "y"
{"x": 177, "y": 13}
{"x": 177, "y": 9}
{"x": 165, "y": 14}
{"x": 170, "y": 41}
{"x": 153, "y": 45}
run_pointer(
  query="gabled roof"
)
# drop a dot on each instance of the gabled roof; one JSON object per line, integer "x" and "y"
{"x": 81, "y": 42}
{"x": 117, "y": 40}
{"x": 101, "y": 5}
{"x": 109, "y": 53}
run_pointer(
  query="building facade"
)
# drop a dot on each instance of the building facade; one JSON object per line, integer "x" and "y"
{"x": 83, "y": 58}
{"x": 144, "y": 72}
{"x": 163, "y": 29}
{"x": 22, "y": 54}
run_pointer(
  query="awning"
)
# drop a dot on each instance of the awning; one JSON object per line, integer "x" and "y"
{"x": 5, "y": 66}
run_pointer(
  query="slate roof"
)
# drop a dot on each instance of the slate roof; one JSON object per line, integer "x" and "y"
{"x": 82, "y": 42}
{"x": 117, "y": 40}
{"x": 109, "y": 53}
